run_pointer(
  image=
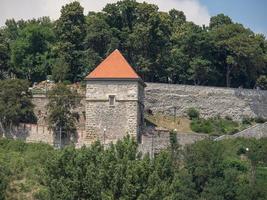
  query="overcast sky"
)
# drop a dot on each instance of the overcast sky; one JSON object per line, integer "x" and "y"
{"x": 198, "y": 11}
{"x": 28, "y": 9}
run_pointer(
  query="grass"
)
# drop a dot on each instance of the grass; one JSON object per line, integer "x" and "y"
{"x": 217, "y": 126}
{"x": 181, "y": 124}
{"x": 214, "y": 126}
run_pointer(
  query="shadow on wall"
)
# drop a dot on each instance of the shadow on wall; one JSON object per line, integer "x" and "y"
{"x": 31, "y": 133}
{"x": 20, "y": 132}
{"x": 257, "y": 100}
{"x": 210, "y": 101}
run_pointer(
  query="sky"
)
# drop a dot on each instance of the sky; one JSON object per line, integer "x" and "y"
{"x": 251, "y": 13}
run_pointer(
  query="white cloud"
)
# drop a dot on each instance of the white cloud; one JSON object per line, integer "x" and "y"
{"x": 27, "y": 9}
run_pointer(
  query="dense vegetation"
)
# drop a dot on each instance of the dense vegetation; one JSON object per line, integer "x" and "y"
{"x": 62, "y": 118}
{"x": 162, "y": 46}
{"x": 230, "y": 169}
{"x": 15, "y": 104}
{"x": 217, "y": 126}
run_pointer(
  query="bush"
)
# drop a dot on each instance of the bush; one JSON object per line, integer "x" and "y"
{"x": 193, "y": 113}
{"x": 262, "y": 82}
{"x": 215, "y": 126}
{"x": 247, "y": 120}
{"x": 260, "y": 120}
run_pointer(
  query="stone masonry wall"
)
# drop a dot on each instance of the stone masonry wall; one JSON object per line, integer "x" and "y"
{"x": 258, "y": 131}
{"x": 210, "y": 101}
{"x": 117, "y": 120}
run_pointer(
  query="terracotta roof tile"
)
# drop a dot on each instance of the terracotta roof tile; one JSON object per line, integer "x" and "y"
{"x": 114, "y": 66}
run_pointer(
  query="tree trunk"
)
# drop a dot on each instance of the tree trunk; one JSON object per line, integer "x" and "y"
{"x": 2, "y": 129}
{"x": 228, "y": 72}
{"x": 253, "y": 173}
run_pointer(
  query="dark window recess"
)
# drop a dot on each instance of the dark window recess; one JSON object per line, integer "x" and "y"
{"x": 111, "y": 100}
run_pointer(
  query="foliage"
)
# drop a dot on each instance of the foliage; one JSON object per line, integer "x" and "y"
{"x": 60, "y": 70}
{"x": 206, "y": 170}
{"x": 22, "y": 168}
{"x": 31, "y": 51}
{"x": 193, "y": 113}
{"x": 4, "y": 176}
{"x": 161, "y": 46}
{"x": 62, "y": 101}
{"x": 70, "y": 31}
{"x": 215, "y": 126}
{"x": 15, "y": 104}
{"x": 262, "y": 82}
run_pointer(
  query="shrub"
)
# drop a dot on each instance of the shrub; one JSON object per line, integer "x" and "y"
{"x": 228, "y": 118}
{"x": 260, "y": 120}
{"x": 193, "y": 113}
{"x": 247, "y": 120}
{"x": 215, "y": 126}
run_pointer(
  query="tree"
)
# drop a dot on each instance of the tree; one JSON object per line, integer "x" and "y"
{"x": 199, "y": 70}
{"x": 4, "y": 56}
{"x": 70, "y": 31}
{"x": 31, "y": 50}
{"x": 219, "y": 20}
{"x": 239, "y": 52}
{"x": 204, "y": 161}
{"x": 60, "y": 70}
{"x": 61, "y": 117}
{"x": 161, "y": 46}
{"x": 15, "y": 104}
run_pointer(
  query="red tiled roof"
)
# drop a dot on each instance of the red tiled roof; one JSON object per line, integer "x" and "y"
{"x": 114, "y": 66}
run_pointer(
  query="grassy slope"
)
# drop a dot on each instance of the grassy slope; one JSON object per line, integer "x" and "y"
{"x": 181, "y": 124}
{"x": 213, "y": 126}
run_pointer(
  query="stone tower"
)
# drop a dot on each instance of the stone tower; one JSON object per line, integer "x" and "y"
{"x": 114, "y": 101}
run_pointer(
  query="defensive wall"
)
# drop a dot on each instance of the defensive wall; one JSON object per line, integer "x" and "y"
{"x": 168, "y": 99}
{"x": 176, "y": 99}
{"x": 210, "y": 101}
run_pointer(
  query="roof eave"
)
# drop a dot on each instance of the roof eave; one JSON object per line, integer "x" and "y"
{"x": 116, "y": 79}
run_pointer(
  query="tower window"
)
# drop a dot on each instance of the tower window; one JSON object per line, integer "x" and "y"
{"x": 111, "y": 100}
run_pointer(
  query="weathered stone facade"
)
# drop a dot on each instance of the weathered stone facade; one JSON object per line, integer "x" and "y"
{"x": 210, "y": 101}
{"x": 110, "y": 122}
{"x": 257, "y": 131}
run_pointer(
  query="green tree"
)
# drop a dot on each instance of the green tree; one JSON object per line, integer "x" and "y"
{"x": 31, "y": 50}
{"x": 204, "y": 160}
{"x": 4, "y": 56}
{"x": 15, "y": 104}
{"x": 199, "y": 70}
{"x": 61, "y": 117}
{"x": 60, "y": 70}
{"x": 240, "y": 54}
{"x": 71, "y": 31}
{"x": 219, "y": 20}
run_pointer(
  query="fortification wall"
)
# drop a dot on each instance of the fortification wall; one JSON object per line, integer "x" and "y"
{"x": 210, "y": 101}
{"x": 41, "y": 133}
{"x": 258, "y": 131}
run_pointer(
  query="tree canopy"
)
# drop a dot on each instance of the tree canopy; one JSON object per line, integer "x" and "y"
{"x": 161, "y": 46}
{"x": 15, "y": 104}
